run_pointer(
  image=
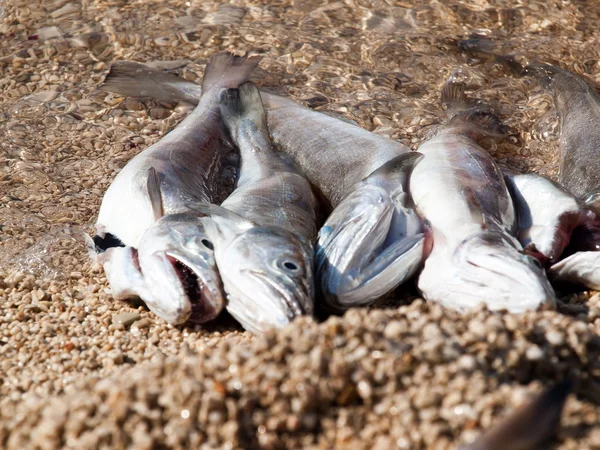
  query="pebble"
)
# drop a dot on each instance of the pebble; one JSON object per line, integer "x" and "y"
{"x": 126, "y": 318}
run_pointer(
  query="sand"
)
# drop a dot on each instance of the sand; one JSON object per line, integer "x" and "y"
{"x": 80, "y": 370}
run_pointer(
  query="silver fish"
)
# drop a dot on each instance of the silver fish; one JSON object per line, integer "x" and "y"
{"x": 547, "y": 213}
{"x": 265, "y": 230}
{"x": 372, "y": 241}
{"x": 579, "y": 108}
{"x": 458, "y": 188}
{"x": 145, "y": 232}
{"x": 530, "y": 427}
{"x": 336, "y": 157}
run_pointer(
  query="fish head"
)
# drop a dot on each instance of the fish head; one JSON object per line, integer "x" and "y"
{"x": 177, "y": 260}
{"x": 267, "y": 273}
{"x": 370, "y": 244}
{"x": 486, "y": 268}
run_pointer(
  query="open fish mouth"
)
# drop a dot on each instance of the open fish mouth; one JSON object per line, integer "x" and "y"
{"x": 196, "y": 292}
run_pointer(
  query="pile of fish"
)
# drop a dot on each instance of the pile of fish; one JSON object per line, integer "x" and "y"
{"x": 262, "y": 206}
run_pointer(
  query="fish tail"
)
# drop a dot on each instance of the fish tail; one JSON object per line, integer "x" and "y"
{"x": 243, "y": 103}
{"x": 133, "y": 79}
{"x": 226, "y": 70}
{"x": 529, "y": 426}
{"x": 465, "y": 113}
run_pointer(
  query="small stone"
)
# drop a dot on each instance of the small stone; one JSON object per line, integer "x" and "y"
{"x": 126, "y": 318}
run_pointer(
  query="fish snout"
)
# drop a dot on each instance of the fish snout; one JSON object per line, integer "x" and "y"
{"x": 488, "y": 271}
{"x": 517, "y": 281}
{"x": 165, "y": 295}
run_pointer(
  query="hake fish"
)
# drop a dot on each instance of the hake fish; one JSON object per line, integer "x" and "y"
{"x": 548, "y": 215}
{"x": 460, "y": 191}
{"x": 578, "y": 106}
{"x": 265, "y": 230}
{"x": 373, "y": 241}
{"x": 150, "y": 244}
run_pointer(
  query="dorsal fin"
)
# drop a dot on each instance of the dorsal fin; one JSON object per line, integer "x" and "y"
{"x": 154, "y": 193}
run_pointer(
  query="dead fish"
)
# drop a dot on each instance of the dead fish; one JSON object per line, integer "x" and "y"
{"x": 530, "y": 427}
{"x": 141, "y": 232}
{"x": 578, "y": 106}
{"x": 373, "y": 240}
{"x": 548, "y": 215}
{"x": 460, "y": 191}
{"x": 341, "y": 161}
{"x": 265, "y": 230}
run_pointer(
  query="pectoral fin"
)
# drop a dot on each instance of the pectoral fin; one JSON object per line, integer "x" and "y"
{"x": 154, "y": 193}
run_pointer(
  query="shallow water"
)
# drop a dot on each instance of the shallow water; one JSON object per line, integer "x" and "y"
{"x": 379, "y": 63}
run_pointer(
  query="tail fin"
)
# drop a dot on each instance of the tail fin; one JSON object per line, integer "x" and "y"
{"x": 243, "y": 103}
{"x": 529, "y": 426}
{"x": 226, "y": 70}
{"x": 468, "y": 114}
{"x": 138, "y": 80}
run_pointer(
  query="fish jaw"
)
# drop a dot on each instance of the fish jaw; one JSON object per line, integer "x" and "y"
{"x": 267, "y": 273}
{"x": 368, "y": 246}
{"x": 486, "y": 268}
{"x": 180, "y": 270}
{"x": 122, "y": 270}
{"x": 547, "y": 213}
{"x": 581, "y": 268}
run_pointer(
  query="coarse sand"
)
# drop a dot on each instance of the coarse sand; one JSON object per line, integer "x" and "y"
{"x": 79, "y": 370}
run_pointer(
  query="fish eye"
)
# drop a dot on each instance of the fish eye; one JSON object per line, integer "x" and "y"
{"x": 290, "y": 266}
{"x": 209, "y": 245}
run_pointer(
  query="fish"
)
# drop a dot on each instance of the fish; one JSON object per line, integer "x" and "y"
{"x": 548, "y": 215}
{"x": 337, "y": 158}
{"x": 530, "y": 426}
{"x": 373, "y": 240}
{"x": 264, "y": 232}
{"x": 461, "y": 193}
{"x": 149, "y": 242}
{"x": 578, "y": 106}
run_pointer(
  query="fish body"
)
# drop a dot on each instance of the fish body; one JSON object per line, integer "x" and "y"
{"x": 265, "y": 230}
{"x": 371, "y": 242}
{"x": 141, "y": 210}
{"x": 461, "y": 193}
{"x": 578, "y": 106}
{"x": 333, "y": 154}
{"x": 547, "y": 214}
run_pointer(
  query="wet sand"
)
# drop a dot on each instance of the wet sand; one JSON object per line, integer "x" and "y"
{"x": 79, "y": 370}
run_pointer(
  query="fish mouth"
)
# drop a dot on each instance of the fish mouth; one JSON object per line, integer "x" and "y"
{"x": 196, "y": 291}
{"x": 294, "y": 306}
